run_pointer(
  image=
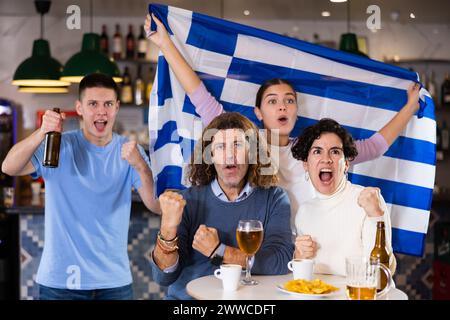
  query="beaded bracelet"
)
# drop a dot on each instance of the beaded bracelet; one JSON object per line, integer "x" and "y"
{"x": 160, "y": 237}
{"x": 166, "y": 249}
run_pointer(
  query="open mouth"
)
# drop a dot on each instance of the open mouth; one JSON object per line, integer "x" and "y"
{"x": 325, "y": 175}
{"x": 283, "y": 120}
{"x": 100, "y": 125}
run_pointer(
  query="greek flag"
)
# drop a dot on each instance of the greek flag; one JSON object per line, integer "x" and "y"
{"x": 360, "y": 93}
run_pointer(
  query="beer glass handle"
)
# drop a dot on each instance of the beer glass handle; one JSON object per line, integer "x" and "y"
{"x": 389, "y": 280}
{"x": 217, "y": 274}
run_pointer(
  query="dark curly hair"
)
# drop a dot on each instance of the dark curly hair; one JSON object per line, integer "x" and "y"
{"x": 201, "y": 170}
{"x": 303, "y": 143}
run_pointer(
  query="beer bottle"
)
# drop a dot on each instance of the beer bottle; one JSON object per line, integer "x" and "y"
{"x": 104, "y": 42}
{"x": 51, "y": 147}
{"x": 380, "y": 254}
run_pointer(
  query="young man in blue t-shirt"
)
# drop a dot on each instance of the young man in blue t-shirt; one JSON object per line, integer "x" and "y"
{"x": 88, "y": 197}
{"x": 230, "y": 183}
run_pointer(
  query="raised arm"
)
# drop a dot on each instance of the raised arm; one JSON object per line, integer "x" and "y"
{"x": 205, "y": 104}
{"x": 378, "y": 144}
{"x": 18, "y": 160}
{"x": 183, "y": 71}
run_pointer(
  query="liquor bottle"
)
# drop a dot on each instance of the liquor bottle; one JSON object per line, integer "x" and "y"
{"x": 139, "y": 89}
{"x": 444, "y": 137}
{"x": 104, "y": 42}
{"x": 424, "y": 80}
{"x": 117, "y": 44}
{"x": 126, "y": 93}
{"x": 380, "y": 254}
{"x": 149, "y": 87}
{"x": 432, "y": 89}
{"x": 51, "y": 147}
{"x": 130, "y": 43}
{"x": 142, "y": 44}
{"x": 445, "y": 92}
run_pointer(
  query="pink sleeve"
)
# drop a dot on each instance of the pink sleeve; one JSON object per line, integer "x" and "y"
{"x": 205, "y": 104}
{"x": 372, "y": 148}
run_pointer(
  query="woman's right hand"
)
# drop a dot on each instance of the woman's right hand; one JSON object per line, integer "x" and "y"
{"x": 158, "y": 37}
{"x": 305, "y": 247}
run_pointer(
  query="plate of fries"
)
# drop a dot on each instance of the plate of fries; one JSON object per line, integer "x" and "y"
{"x": 311, "y": 289}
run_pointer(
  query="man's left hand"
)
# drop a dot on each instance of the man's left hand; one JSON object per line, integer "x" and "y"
{"x": 131, "y": 153}
{"x": 205, "y": 240}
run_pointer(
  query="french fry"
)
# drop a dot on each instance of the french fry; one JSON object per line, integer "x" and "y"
{"x": 316, "y": 286}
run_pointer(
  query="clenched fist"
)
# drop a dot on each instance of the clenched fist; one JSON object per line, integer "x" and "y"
{"x": 130, "y": 153}
{"x": 172, "y": 206}
{"x": 205, "y": 240}
{"x": 369, "y": 200}
{"x": 305, "y": 247}
{"x": 52, "y": 121}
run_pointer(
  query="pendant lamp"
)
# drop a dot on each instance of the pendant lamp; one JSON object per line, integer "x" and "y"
{"x": 89, "y": 60}
{"x": 349, "y": 41}
{"x": 40, "y": 73}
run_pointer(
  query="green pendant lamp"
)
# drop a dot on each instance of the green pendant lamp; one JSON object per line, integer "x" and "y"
{"x": 40, "y": 73}
{"x": 89, "y": 60}
{"x": 26, "y": 89}
{"x": 349, "y": 41}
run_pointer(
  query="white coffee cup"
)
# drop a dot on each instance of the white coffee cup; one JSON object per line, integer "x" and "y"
{"x": 301, "y": 268}
{"x": 230, "y": 274}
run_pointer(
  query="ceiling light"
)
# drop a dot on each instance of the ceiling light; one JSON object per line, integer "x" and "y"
{"x": 326, "y": 13}
{"x": 43, "y": 89}
{"x": 337, "y": 1}
{"x": 90, "y": 59}
{"x": 412, "y": 15}
{"x": 246, "y": 12}
{"x": 40, "y": 70}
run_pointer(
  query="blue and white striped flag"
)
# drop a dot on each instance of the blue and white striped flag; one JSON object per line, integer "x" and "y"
{"x": 361, "y": 94}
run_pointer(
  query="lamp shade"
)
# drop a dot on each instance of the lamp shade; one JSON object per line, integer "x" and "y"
{"x": 349, "y": 43}
{"x": 89, "y": 60}
{"x": 43, "y": 89}
{"x": 40, "y": 69}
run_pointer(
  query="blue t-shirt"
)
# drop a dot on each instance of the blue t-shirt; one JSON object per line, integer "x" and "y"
{"x": 87, "y": 212}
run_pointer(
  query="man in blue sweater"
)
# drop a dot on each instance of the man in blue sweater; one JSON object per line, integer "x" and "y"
{"x": 230, "y": 183}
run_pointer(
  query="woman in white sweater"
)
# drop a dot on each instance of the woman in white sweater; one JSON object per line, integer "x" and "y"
{"x": 341, "y": 219}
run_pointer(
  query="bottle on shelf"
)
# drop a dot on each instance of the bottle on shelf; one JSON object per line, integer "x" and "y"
{"x": 379, "y": 253}
{"x": 104, "y": 41}
{"x": 52, "y": 145}
{"x": 444, "y": 137}
{"x": 142, "y": 44}
{"x": 439, "y": 153}
{"x": 424, "y": 80}
{"x": 126, "y": 92}
{"x": 117, "y": 44}
{"x": 139, "y": 89}
{"x": 131, "y": 46}
{"x": 432, "y": 89}
{"x": 149, "y": 87}
{"x": 445, "y": 92}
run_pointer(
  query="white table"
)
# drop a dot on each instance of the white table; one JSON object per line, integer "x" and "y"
{"x": 210, "y": 288}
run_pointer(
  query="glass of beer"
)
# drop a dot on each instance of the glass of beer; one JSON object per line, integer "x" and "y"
{"x": 362, "y": 278}
{"x": 249, "y": 234}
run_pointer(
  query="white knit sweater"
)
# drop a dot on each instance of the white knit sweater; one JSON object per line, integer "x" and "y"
{"x": 341, "y": 228}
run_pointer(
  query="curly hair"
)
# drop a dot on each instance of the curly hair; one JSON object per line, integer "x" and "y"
{"x": 202, "y": 172}
{"x": 304, "y": 141}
